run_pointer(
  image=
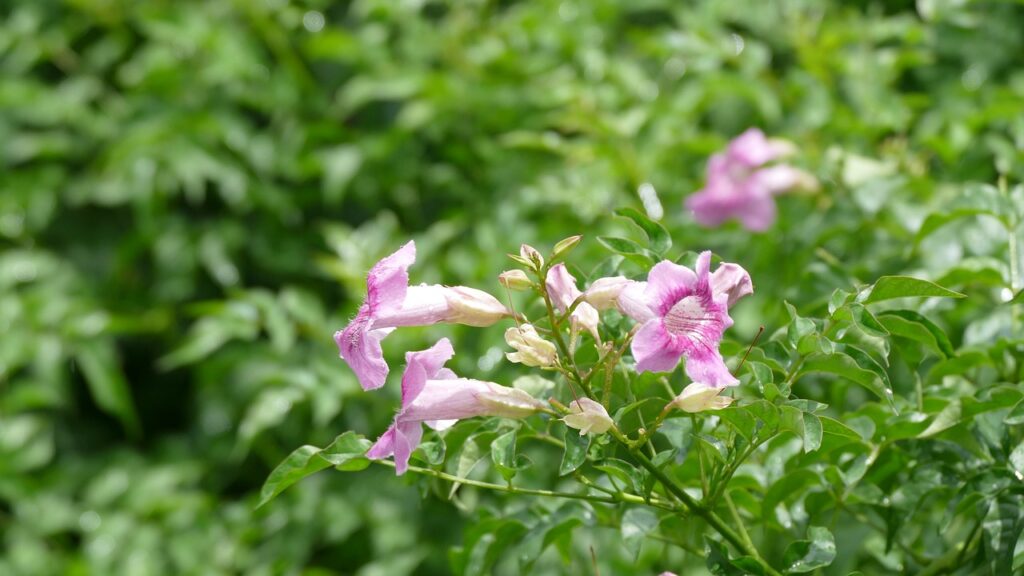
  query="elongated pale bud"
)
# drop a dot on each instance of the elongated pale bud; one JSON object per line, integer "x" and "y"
{"x": 530, "y": 254}
{"x": 604, "y": 292}
{"x": 515, "y": 280}
{"x": 474, "y": 307}
{"x": 699, "y": 397}
{"x": 564, "y": 246}
{"x": 588, "y": 416}
{"x": 506, "y": 402}
{"x": 531, "y": 349}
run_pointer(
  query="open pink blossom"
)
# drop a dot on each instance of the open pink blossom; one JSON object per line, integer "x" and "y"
{"x": 741, "y": 185}
{"x": 561, "y": 285}
{"x": 683, "y": 314}
{"x": 434, "y": 395}
{"x": 391, "y": 303}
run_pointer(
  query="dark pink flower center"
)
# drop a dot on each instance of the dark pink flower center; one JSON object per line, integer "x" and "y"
{"x": 695, "y": 320}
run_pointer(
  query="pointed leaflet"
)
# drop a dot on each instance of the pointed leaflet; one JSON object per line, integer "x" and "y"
{"x": 889, "y": 287}
{"x": 345, "y": 453}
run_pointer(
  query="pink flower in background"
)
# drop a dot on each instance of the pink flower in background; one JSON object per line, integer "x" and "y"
{"x": 562, "y": 287}
{"x": 391, "y": 302}
{"x": 683, "y": 314}
{"x": 740, "y": 185}
{"x": 434, "y": 395}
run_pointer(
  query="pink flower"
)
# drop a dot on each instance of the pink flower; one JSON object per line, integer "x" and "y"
{"x": 391, "y": 302}
{"x": 561, "y": 286}
{"x": 740, "y": 186}
{"x": 683, "y": 314}
{"x": 434, "y": 395}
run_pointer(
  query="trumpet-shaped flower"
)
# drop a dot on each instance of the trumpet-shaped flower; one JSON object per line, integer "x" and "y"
{"x": 531, "y": 349}
{"x": 741, "y": 185}
{"x": 434, "y": 395}
{"x": 604, "y": 292}
{"x": 588, "y": 416}
{"x": 391, "y": 303}
{"x": 683, "y": 314}
{"x": 562, "y": 288}
{"x": 697, "y": 397}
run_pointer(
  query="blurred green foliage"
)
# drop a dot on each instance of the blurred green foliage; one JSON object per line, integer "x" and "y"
{"x": 191, "y": 193}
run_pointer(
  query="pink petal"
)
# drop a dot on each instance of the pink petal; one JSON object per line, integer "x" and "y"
{"x": 732, "y": 281}
{"x": 421, "y": 306}
{"x": 753, "y": 149}
{"x": 633, "y": 303}
{"x": 758, "y": 214}
{"x": 422, "y": 366}
{"x": 706, "y": 366}
{"x": 561, "y": 287}
{"x": 654, "y": 349}
{"x": 667, "y": 282}
{"x": 388, "y": 279}
{"x": 407, "y": 438}
{"x": 359, "y": 346}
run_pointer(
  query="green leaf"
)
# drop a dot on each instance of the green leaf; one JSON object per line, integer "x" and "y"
{"x": 890, "y": 287}
{"x": 621, "y": 245}
{"x": 575, "y": 454}
{"x": 798, "y": 327}
{"x": 345, "y": 453}
{"x": 637, "y": 523}
{"x": 469, "y": 457}
{"x": 862, "y": 317}
{"x": 1016, "y": 416}
{"x": 658, "y": 238}
{"x": 432, "y": 452}
{"x": 915, "y": 326}
{"x": 1017, "y": 299}
{"x": 935, "y": 221}
{"x": 503, "y": 454}
{"x": 958, "y": 365}
{"x": 812, "y": 432}
{"x": 98, "y": 361}
{"x": 628, "y": 248}
{"x": 719, "y": 563}
{"x": 623, "y": 472}
{"x": 740, "y": 419}
{"x": 808, "y": 555}
{"x": 837, "y": 428}
{"x": 840, "y": 364}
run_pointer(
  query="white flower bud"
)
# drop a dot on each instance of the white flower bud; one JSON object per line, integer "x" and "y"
{"x": 588, "y": 416}
{"x": 473, "y": 307}
{"x": 531, "y": 349}
{"x": 698, "y": 397}
{"x": 515, "y": 280}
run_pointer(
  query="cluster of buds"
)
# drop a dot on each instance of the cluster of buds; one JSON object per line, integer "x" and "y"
{"x": 679, "y": 313}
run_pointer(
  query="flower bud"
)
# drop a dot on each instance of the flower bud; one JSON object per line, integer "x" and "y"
{"x": 588, "y": 416}
{"x": 604, "y": 292}
{"x": 530, "y": 254}
{"x": 473, "y": 307}
{"x": 564, "y": 246}
{"x": 698, "y": 397}
{"x": 505, "y": 402}
{"x": 515, "y": 280}
{"x": 531, "y": 349}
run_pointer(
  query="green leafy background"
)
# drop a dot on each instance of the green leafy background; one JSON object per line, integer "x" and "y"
{"x": 191, "y": 193}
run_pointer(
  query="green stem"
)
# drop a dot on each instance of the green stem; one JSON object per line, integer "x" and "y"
{"x": 708, "y": 515}
{"x": 1015, "y": 279}
{"x": 951, "y": 559}
{"x": 739, "y": 521}
{"x": 509, "y": 489}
